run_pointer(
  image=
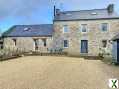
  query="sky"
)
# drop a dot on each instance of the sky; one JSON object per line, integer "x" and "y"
{"x": 26, "y": 12}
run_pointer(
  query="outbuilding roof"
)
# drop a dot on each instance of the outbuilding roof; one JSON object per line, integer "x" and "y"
{"x": 29, "y": 31}
{"x": 93, "y": 14}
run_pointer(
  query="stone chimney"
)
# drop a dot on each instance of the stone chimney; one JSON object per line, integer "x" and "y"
{"x": 57, "y": 12}
{"x": 110, "y": 8}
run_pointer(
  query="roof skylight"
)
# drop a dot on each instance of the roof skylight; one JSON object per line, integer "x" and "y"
{"x": 93, "y": 13}
{"x": 26, "y": 29}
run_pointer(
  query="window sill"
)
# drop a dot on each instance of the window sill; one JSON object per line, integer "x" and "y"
{"x": 83, "y": 53}
{"x": 84, "y": 32}
{"x": 66, "y": 47}
{"x": 65, "y": 32}
{"x": 104, "y": 31}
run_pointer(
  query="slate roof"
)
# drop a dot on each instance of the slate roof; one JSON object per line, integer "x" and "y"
{"x": 116, "y": 37}
{"x": 86, "y": 15}
{"x": 29, "y": 31}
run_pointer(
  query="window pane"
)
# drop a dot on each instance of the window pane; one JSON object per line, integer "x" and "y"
{"x": 65, "y": 43}
{"x": 84, "y": 27}
{"x": 104, "y": 27}
{"x": 65, "y": 28}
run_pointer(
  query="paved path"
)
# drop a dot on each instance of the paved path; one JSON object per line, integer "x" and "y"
{"x": 55, "y": 73}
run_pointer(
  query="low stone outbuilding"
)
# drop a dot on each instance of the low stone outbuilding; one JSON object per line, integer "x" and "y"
{"x": 29, "y": 37}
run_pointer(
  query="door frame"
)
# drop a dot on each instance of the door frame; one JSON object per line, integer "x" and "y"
{"x": 117, "y": 50}
{"x": 86, "y": 48}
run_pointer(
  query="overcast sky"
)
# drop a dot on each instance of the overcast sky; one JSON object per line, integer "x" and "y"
{"x": 15, "y": 12}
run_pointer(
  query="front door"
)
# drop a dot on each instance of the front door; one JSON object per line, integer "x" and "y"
{"x": 84, "y": 46}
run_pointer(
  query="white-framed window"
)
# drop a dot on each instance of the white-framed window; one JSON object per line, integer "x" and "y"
{"x": 104, "y": 27}
{"x": 83, "y": 28}
{"x": 66, "y": 43}
{"x": 65, "y": 29}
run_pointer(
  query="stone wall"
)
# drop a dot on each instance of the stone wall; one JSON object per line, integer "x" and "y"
{"x": 94, "y": 35}
{"x": 27, "y": 43}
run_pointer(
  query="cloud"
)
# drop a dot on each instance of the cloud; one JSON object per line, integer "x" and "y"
{"x": 21, "y": 7}
{"x": 25, "y": 8}
{"x": 85, "y": 4}
{"x": 14, "y": 12}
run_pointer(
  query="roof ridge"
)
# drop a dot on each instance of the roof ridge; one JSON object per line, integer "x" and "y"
{"x": 31, "y": 25}
{"x": 83, "y": 10}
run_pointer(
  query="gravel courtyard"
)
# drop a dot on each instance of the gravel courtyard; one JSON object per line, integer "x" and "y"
{"x": 45, "y": 72}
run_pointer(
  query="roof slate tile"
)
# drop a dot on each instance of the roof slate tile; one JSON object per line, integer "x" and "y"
{"x": 33, "y": 30}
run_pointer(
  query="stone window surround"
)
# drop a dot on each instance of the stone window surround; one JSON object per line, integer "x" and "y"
{"x": 64, "y": 29}
{"x": 108, "y": 26}
{"x": 82, "y": 27}
{"x": 100, "y": 27}
{"x": 68, "y": 43}
{"x": 15, "y": 41}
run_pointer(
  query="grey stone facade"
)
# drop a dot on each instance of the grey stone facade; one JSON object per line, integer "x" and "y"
{"x": 94, "y": 35}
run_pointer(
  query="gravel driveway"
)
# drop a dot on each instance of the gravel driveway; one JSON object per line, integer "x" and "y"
{"x": 45, "y": 72}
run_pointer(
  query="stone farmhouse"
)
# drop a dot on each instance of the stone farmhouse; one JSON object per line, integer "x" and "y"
{"x": 83, "y": 32}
